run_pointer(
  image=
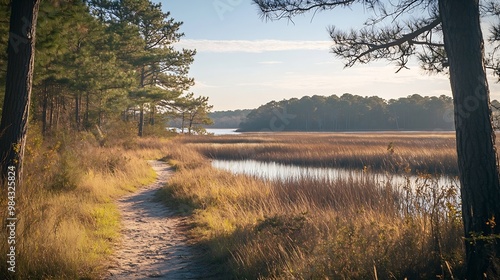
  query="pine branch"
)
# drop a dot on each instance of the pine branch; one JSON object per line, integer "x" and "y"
{"x": 276, "y": 10}
{"x": 356, "y": 50}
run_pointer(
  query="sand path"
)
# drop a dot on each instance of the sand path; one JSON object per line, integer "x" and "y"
{"x": 153, "y": 243}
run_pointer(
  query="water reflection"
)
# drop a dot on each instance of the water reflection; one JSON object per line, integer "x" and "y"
{"x": 222, "y": 131}
{"x": 276, "y": 171}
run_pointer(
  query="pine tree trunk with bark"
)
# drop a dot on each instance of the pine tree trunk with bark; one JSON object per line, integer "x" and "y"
{"x": 15, "y": 113}
{"x": 475, "y": 138}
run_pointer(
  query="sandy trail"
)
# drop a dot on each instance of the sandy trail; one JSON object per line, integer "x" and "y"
{"x": 153, "y": 244}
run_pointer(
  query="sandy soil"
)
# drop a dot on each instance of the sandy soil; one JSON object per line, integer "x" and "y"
{"x": 153, "y": 243}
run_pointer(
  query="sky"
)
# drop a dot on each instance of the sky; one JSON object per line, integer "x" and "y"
{"x": 244, "y": 61}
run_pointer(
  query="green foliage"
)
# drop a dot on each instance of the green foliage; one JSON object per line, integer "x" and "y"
{"x": 352, "y": 112}
{"x": 228, "y": 119}
{"x": 146, "y": 34}
{"x": 192, "y": 112}
{"x": 96, "y": 60}
{"x": 67, "y": 175}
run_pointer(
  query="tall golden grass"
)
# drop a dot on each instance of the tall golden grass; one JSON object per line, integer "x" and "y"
{"x": 419, "y": 152}
{"x": 67, "y": 218}
{"x": 352, "y": 228}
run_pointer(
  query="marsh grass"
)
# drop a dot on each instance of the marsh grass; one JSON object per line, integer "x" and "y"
{"x": 316, "y": 229}
{"x": 391, "y": 152}
{"x": 68, "y": 220}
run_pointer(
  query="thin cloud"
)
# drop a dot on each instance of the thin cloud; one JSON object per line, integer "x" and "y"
{"x": 354, "y": 80}
{"x": 252, "y": 46}
{"x": 271, "y": 62}
{"x": 203, "y": 85}
{"x": 332, "y": 62}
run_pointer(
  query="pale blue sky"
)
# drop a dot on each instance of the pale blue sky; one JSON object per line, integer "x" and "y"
{"x": 244, "y": 61}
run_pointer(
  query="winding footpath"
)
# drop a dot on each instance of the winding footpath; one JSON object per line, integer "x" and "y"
{"x": 153, "y": 243}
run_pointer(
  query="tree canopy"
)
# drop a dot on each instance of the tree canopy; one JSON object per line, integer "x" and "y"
{"x": 228, "y": 119}
{"x": 353, "y": 112}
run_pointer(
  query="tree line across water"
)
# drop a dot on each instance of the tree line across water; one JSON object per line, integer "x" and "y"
{"x": 353, "y": 112}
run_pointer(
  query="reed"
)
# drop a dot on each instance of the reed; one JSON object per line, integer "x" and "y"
{"x": 315, "y": 229}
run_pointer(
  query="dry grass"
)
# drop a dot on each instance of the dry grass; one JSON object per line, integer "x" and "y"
{"x": 68, "y": 220}
{"x": 291, "y": 230}
{"x": 419, "y": 152}
{"x": 310, "y": 229}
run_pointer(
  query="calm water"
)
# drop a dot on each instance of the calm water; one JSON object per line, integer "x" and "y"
{"x": 277, "y": 171}
{"x": 214, "y": 131}
{"x": 222, "y": 131}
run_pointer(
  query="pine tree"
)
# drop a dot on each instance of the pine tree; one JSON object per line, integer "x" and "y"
{"x": 77, "y": 63}
{"x": 161, "y": 70}
{"x": 193, "y": 112}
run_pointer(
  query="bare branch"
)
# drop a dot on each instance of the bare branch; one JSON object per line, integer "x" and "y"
{"x": 432, "y": 44}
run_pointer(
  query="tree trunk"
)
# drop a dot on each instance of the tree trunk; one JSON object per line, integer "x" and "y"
{"x": 183, "y": 122}
{"x": 127, "y": 114}
{"x": 15, "y": 113}
{"x": 86, "y": 121}
{"x": 152, "y": 114}
{"x": 100, "y": 118}
{"x": 192, "y": 118}
{"x": 477, "y": 158}
{"x": 45, "y": 106}
{"x": 60, "y": 103}
{"x": 141, "y": 121}
{"x": 77, "y": 111}
{"x": 190, "y": 125}
{"x": 141, "y": 113}
{"x": 51, "y": 114}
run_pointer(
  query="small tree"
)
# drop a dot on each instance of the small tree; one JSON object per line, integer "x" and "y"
{"x": 197, "y": 113}
{"x": 193, "y": 112}
{"x": 444, "y": 35}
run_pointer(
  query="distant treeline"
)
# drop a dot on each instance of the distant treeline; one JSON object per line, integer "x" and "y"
{"x": 228, "y": 119}
{"x": 353, "y": 112}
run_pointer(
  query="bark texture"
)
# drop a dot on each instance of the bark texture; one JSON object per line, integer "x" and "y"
{"x": 15, "y": 113}
{"x": 477, "y": 158}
